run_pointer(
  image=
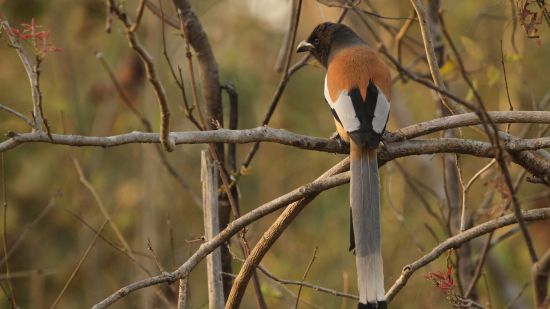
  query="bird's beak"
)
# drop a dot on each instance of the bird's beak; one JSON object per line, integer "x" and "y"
{"x": 304, "y": 46}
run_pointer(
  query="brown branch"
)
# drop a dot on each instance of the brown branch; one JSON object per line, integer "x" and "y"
{"x": 432, "y": 59}
{"x": 182, "y": 293}
{"x": 540, "y": 273}
{"x": 489, "y": 126}
{"x": 29, "y": 227}
{"x": 17, "y": 114}
{"x": 169, "y": 20}
{"x": 139, "y": 14}
{"x": 305, "y": 276}
{"x": 9, "y": 293}
{"x": 233, "y": 124}
{"x": 147, "y": 126}
{"x": 288, "y": 40}
{"x": 285, "y": 77}
{"x": 269, "y": 238}
{"x": 152, "y": 76}
{"x": 319, "y": 288}
{"x": 459, "y": 239}
{"x": 234, "y": 227}
{"x": 78, "y": 265}
{"x": 534, "y": 164}
{"x": 467, "y": 119}
{"x": 312, "y": 188}
{"x": 208, "y": 67}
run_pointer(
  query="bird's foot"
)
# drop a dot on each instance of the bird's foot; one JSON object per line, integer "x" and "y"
{"x": 335, "y": 136}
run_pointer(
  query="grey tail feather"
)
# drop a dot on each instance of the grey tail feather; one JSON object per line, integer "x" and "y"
{"x": 365, "y": 205}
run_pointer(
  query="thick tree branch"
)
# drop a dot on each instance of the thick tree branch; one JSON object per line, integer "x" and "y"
{"x": 208, "y": 67}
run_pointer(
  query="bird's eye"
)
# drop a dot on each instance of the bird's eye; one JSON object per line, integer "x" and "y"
{"x": 316, "y": 41}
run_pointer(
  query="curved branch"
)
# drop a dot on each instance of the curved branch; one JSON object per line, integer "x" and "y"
{"x": 459, "y": 239}
{"x": 233, "y": 228}
{"x": 463, "y": 120}
{"x": 152, "y": 76}
{"x": 269, "y": 238}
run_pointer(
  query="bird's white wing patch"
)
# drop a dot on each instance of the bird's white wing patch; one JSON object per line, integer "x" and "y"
{"x": 343, "y": 107}
{"x": 381, "y": 113}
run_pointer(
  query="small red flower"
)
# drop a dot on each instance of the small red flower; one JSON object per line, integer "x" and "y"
{"x": 442, "y": 280}
{"x": 40, "y": 40}
{"x": 42, "y": 35}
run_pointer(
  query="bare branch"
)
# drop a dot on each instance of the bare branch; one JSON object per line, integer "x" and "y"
{"x": 432, "y": 59}
{"x": 270, "y": 237}
{"x": 17, "y": 114}
{"x": 152, "y": 76}
{"x": 312, "y": 188}
{"x": 285, "y": 77}
{"x": 459, "y": 239}
{"x": 78, "y": 265}
{"x": 234, "y": 227}
{"x": 467, "y": 119}
{"x": 540, "y": 273}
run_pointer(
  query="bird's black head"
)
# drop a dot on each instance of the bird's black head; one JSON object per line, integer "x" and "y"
{"x": 326, "y": 39}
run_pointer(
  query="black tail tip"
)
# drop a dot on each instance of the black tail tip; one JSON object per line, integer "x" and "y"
{"x": 378, "y": 305}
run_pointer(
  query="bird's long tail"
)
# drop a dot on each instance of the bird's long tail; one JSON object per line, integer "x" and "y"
{"x": 365, "y": 207}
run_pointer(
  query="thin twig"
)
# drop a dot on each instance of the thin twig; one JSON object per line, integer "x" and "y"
{"x": 488, "y": 125}
{"x": 511, "y": 303}
{"x": 155, "y": 256}
{"x": 30, "y": 226}
{"x": 152, "y": 76}
{"x": 312, "y": 188}
{"x": 540, "y": 272}
{"x": 147, "y": 126}
{"x": 511, "y": 107}
{"x": 78, "y": 265}
{"x": 101, "y": 206}
{"x": 287, "y": 73}
{"x": 139, "y": 14}
{"x": 188, "y": 110}
{"x": 206, "y": 248}
{"x": 10, "y": 295}
{"x": 269, "y": 237}
{"x": 33, "y": 80}
{"x": 432, "y": 59}
{"x": 479, "y": 266}
{"x": 465, "y": 192}
{"x": 457, "y": 240}
{"x": 305, "y": 276}
{"x": 17, "y": 114}
{"x": 353, "y": 5}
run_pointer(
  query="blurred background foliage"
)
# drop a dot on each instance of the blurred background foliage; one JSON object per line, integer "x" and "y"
{"x": 148, "y": 204}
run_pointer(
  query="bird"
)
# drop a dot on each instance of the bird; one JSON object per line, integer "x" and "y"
{"x": 358, "y": 91}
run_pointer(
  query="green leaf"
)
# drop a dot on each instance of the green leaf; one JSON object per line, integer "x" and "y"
{"x": 448, "y": 68}
{"x": 493, "y": 75}
{"x": 512, "y": 57}
{"x": 472, "y": 48}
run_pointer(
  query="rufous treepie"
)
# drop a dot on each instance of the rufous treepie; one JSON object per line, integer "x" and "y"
{"x": 358, "y": 91}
